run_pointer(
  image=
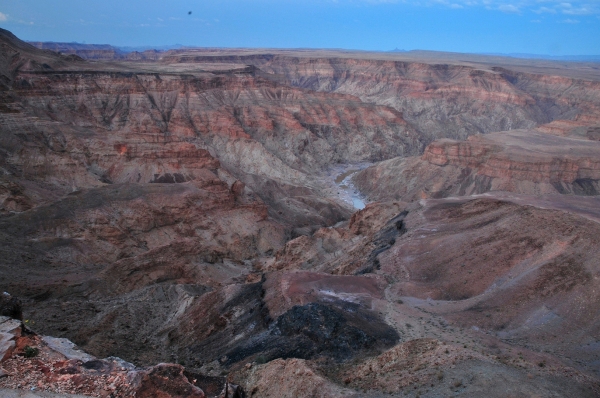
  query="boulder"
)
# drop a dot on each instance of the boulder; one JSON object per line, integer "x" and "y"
{"x": 67, "y": 348}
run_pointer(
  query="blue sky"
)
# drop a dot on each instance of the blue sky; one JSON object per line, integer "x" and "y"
{"x": 554, "y": 27}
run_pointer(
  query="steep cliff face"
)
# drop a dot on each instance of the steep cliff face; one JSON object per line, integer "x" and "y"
{"x": 298, "y": 129}
{"x": 520, "y": 161}
{"x": 454, "y": 101}
{"x": 105, "y": 127}
{"x": 439, "y": 100}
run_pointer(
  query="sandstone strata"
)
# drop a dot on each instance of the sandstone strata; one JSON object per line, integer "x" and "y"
{"x": 519, "y": 161}
{"x": 452, "y": 100}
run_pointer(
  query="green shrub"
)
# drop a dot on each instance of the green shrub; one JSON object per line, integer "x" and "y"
{"x": 30, "y": 352}
{"x": 261, "y": 359}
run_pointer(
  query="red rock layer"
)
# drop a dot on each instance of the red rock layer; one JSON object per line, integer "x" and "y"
{"x": 487, "y": 159}
{"x": 440, "y": 100}
{"x": 526, "y": 162}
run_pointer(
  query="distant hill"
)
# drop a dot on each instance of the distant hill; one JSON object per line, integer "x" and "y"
{"x": 146, "y": 48}
{"x": 104, "y": 51}
{"x": 577, "y": 58}
{"x": 74, "y": 46}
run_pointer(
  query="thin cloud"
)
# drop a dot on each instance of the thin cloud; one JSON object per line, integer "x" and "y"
{"x": 542, "y": 10}
{"x": 569, "y": 20}
{"x": 578, "y": 11}
{"x": 509, "y": 8}
{"x": 3, "y": 17}
{"x": 574, "y": 7}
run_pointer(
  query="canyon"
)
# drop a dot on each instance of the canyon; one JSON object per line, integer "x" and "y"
{"x": 190, "y": 223}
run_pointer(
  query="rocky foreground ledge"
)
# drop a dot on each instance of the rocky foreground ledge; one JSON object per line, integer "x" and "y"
{"x": 42, "y": 366}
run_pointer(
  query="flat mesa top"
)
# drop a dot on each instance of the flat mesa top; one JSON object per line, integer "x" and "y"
{"x": 529, "y": 142}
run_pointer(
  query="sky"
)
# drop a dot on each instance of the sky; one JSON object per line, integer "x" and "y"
{"x": 552, "y": 27}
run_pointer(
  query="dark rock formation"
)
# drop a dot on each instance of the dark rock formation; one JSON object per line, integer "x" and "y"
{"x": 10, "y": 306}
{"x": 325, "y": 330}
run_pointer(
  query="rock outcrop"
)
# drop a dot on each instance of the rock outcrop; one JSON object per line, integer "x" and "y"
{"x": 520, "y": 161}
{"x": 49, "y": 366}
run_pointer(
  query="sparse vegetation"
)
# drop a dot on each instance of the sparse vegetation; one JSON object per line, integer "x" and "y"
{"x": 30, "y": 352}
{"x": 261, "y": 359}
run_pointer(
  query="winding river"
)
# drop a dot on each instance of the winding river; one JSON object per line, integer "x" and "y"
{"x": 346, "y": 191}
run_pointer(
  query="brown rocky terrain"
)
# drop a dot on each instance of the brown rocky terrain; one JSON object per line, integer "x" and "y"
{"x": 440, "y": 94}
{"x": 491, "y": 273}
{"x": 183, "y": 211}
{"x": 57, "y": 368}
{"x": 520, "y": 161}
{"x": 272, "y": 138}
{"x": 440, "y": 99}
{"x": 86, "y": 51}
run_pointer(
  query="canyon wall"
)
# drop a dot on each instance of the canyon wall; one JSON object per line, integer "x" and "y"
{"x": 186, "y": 210}
{"x": 439, "y": 100}
{"x": 519, "y": 161}
{"x": 107, "y": 127}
